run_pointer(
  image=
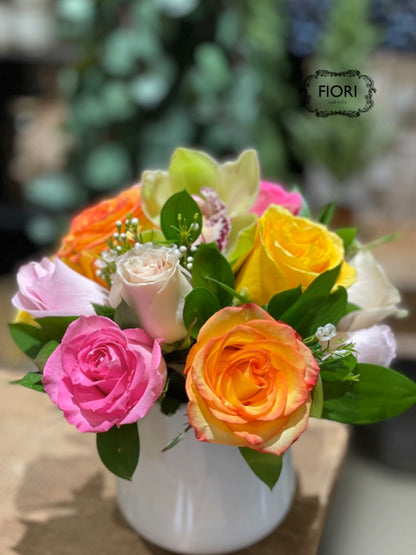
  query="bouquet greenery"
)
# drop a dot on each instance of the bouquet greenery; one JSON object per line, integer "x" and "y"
{"x": 207, "y": 286}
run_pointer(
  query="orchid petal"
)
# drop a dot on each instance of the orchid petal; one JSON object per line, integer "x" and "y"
{"x": 238, "y": 185}
{"x": 241, "y": 239}
{"x": 156, "y": 189}
{"x": 192, "y": 170}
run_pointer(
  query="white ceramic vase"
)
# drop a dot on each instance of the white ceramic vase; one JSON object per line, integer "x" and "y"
{"x": 199, "y": 497}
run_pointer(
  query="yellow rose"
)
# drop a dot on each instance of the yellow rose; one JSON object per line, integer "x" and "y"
{"x": 289, "y": 251}
{"x": 249, "y": 380}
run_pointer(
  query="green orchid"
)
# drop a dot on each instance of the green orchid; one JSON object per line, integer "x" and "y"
{"x": 236, "y": 184}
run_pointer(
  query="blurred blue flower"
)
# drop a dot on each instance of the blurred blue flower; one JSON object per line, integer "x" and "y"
{"x": 307, "y": 20}
{"x": 401, "y": 32}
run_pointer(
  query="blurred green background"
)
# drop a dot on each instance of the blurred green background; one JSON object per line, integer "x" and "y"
{"x": 133, "y": 79}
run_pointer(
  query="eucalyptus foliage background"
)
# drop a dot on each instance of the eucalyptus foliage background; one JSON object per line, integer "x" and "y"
{"x": 151, "y": 75}
{"x": 220, "y": 75}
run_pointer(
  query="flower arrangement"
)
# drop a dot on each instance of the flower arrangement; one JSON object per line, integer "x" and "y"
{"x": 207, "y": 286}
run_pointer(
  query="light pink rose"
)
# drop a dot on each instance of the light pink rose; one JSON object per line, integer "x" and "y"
{"x": 51, "y": 288}
{"x": 374, "y": 345}
{"x": 101, "y": 376}
{"x": 272, "y": 193}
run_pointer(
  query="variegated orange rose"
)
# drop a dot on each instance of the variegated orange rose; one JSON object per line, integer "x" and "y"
{"x": 249, "y": 381}
{"x": 91, "y": 229}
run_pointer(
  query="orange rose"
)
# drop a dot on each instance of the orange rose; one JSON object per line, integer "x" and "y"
{"x": 91, "y": 229}
{"x": 249, "y": 379}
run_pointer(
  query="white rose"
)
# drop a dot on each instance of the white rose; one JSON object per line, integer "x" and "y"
{"x": 372, "y": 292}
{"x": 152, "y": 282}
{"x": 375, "y": 345}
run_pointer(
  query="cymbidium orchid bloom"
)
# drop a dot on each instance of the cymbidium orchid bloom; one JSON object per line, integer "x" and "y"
{"x": 235, "y": 183}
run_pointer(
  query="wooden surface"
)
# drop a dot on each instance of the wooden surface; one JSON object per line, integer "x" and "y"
{"x": 57, "y": 499}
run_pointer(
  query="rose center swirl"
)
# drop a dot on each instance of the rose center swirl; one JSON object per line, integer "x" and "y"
{"x": 245, "y": 376}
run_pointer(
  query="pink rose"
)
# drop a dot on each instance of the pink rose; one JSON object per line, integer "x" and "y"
{"x": 51, "y": 288}
{"x": 101, "y": 376}
{"x": 272, "y": 193}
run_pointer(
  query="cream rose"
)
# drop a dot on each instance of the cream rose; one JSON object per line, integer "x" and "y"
{"x": 152, "y": 282}
{"x": 372, "y": 292}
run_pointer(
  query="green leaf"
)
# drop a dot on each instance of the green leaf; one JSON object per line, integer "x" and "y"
{"x": 210, "y": 263}
{"x": 102, "y": 310}
{"x": 200, "y": 305}
{"x": 281, "y": 302}
{"x": 347, "y": 235}
{"x": 326, "y": 214}
{"x": 169, "y": 405}
{"x": 317, "y": 399}
{"x": 174, "y": 394}
{"x": 381, "y": 240}
{"x": 184, "y": 205}
{"x": 351, "y": 307}
{"x": 233, "y": 292}
{"x": 119, "y": 449}
{"x": 32, "y": 380}
{"x": 330, "y": 311}
{"x": 177, "y": 439}
{"x": 54, "y": 327}
{"x": 305, "y": 211}
{"x": 28, "y": 338}
{"x": 339, "y": 370}
{"x": 380, "y": 393}
{"x": 45, "y": 352}
{"x": 265, "y": 466}
{"x": 302, "y": 314}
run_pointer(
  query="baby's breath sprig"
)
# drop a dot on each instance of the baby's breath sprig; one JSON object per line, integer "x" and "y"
{"x": 181, "y": 223}
{"x": 187, "y": 233}
{"x": 185, "y": 247}
{"x": 106, "y": 265}
{"x": 185, "y": 254}
{"x": 330, "y": 351}
{"x": 333, "y": 352}
{"x": 127, "y": 234}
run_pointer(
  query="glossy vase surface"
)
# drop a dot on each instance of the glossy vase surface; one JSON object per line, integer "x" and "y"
{"x": 199, "y": 497}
